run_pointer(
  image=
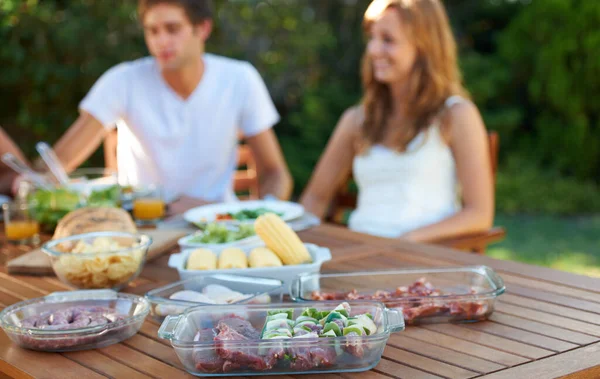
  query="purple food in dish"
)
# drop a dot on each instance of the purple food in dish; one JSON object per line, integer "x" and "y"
{"x": 76, "y": 317}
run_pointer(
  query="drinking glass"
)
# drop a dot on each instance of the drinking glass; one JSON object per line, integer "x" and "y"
{"x": 148, "y": 205}
{"x": 20, "y": 224}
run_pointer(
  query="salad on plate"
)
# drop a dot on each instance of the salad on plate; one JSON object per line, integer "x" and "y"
{"x": 215, "y": 233}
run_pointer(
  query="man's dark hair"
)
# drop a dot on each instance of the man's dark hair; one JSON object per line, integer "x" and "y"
{"x": 196, "y": 10}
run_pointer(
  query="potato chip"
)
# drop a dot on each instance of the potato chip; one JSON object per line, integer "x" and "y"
{"x": 101, "y": 271}
{"x": 96, "y": 265}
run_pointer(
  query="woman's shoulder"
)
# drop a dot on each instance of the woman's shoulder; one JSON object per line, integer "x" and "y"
{"x": 460, "y": 115}
{"x": 352, "y": 119}
{"x": 462, "y": 118}
{"x": 459, "y": 107}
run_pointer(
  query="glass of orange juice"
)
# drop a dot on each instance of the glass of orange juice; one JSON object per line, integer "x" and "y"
{"x": 20, "y": 225}
{"x": 148, "y": 205}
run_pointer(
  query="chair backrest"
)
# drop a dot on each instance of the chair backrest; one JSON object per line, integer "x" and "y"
{"x": 345, "y": 200}
{"x": 245, "y": 182}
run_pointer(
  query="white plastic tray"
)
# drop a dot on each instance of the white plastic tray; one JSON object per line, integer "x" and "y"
{"x": 286, "y": 274}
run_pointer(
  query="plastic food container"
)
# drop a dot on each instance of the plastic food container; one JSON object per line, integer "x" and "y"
{"x": 465, "y": 293}
{"x": 209, "y": 357}
{"x": 133, "y": 310}
{"x": 284, "y": 273}
{"x": 110, "y": 267}
{"x": 258, "y": 291}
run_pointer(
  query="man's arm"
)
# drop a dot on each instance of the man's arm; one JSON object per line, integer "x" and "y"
{"x": 79, "y": 142}
{"x": 275, "y": 178}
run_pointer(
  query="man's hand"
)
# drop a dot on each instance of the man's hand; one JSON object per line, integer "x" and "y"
{"x": 184, "y": 203}
{"x": 16, "y": 184}
{"x": 274, "y": 174}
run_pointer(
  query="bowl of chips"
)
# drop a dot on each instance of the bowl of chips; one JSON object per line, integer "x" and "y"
{"x": 98, "y": 259}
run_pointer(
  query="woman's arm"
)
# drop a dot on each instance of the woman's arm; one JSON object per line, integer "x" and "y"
{"x": 469, "y": 144}
{"x": 334, "y": 165}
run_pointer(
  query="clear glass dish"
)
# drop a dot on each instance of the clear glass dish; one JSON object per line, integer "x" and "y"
{"x": 465, "y": 293}
{"x": 191, "y": 335}
{"x": 109, "y": 267}
{"x": 133, "y": 310}
{"x": 258, "y": 291}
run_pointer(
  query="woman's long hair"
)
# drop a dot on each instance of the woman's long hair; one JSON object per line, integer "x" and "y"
{"x": 435, "y": 75}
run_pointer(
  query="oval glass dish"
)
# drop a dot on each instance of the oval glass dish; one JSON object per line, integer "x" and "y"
{"x": 423, "y": 295}
{"x": 287, "y": 338}
{"x": 246, "y": 290}
{"x": 123, "y": 313}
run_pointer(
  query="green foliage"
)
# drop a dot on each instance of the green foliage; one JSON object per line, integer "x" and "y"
{"x": 531, "y": 67}
{"x": 552, "y": 48}
{"x": 522, "y": 187}
{"x": 52, "y": 53}
{"x": 563, "y": 243}
{"x": 282, "y": 41}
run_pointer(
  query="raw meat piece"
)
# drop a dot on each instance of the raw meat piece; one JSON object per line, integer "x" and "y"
{"x": 412, "y": 300}
{"x": 311, "y": 357}
{"x": 354, "y": 345}
{"x": 207, "y": 359}
{"x": 471, "y": 310}
{"x": 233, "y": 331}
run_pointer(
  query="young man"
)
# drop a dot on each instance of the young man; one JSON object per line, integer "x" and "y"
{"x": 179, "y": 113}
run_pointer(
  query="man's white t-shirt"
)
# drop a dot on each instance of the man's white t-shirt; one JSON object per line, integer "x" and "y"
{"x": 187, "y": 146}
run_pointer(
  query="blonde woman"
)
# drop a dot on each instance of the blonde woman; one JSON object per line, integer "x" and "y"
{"x": 416, "y": 144}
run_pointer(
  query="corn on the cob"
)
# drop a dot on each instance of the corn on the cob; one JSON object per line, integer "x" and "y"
{"x": 263, "y": 257}
{"x": 233, "y": 258}
{"x": 202, "y": 259}
{"x": 281, "y": 239}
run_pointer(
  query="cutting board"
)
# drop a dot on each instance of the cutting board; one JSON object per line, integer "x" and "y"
{"x": 37, "y": 263}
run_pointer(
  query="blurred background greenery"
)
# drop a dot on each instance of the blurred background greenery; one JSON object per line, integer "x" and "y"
{"x": 532, "y": 67}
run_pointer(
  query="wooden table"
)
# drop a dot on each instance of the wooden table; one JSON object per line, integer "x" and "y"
{"x": 546, "y": 325}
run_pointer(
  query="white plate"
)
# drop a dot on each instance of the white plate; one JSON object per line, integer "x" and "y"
{"x": 286, "y": 274}
{"x": 208, "y": 213}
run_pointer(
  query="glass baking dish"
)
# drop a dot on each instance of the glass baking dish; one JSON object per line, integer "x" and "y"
{"x": 131, "y": 311}
{"x": 424, "y": 295}
{"x": 207, "y": 349}
{"x": 256, "y": 291}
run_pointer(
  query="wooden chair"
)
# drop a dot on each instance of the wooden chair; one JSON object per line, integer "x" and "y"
{"x": 345, "y": 200}
{"x": 245, "y": 182}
